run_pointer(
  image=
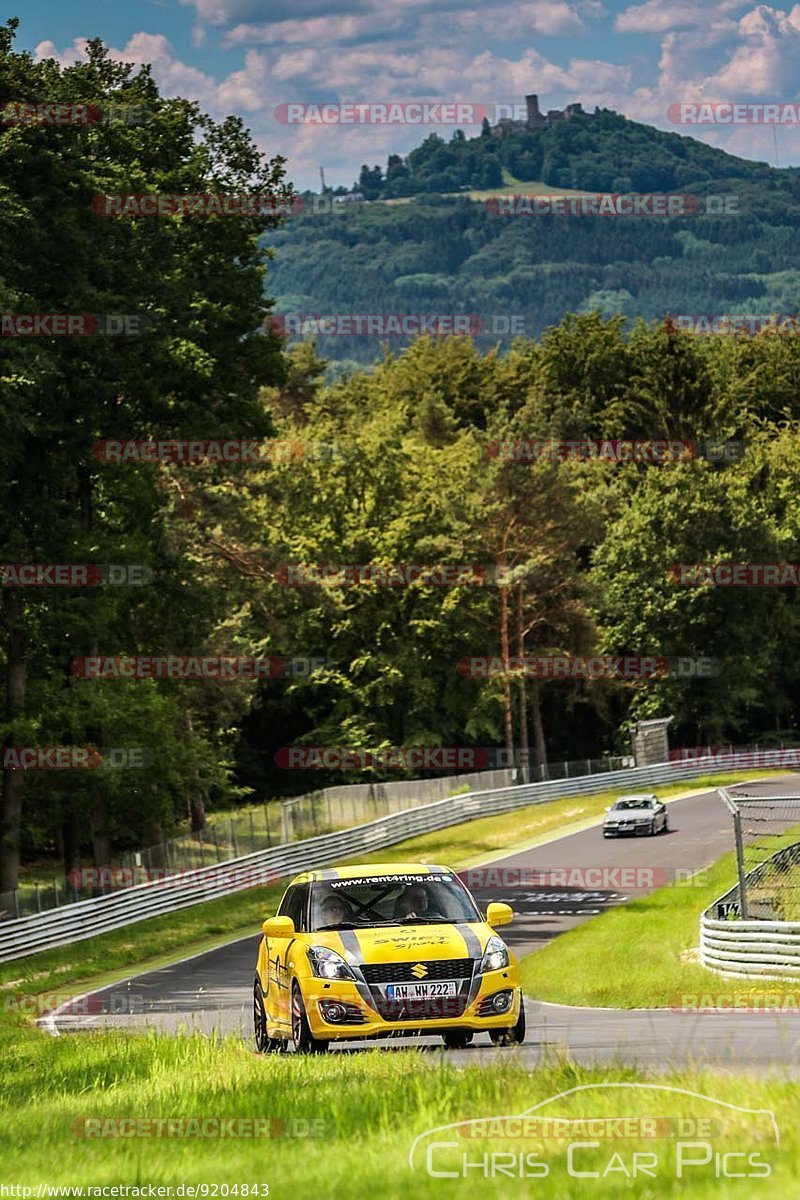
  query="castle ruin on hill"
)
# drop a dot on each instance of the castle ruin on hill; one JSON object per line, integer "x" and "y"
{"x": 535, "y": 118}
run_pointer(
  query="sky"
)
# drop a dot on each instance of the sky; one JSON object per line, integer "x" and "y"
{"x": 250, "y": 57}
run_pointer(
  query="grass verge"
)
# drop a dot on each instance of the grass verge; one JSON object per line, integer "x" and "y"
{"x": 643, "y": 954}
{"x": 367, "y": 1109}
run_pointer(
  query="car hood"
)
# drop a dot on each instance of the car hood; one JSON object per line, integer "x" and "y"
{"x": 406, "y": 943}
{"x": 626, "y": 813}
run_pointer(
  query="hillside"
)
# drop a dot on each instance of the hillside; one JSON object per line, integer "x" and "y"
{"x": 601, "y": 151}
{"x": 447, "y": 253}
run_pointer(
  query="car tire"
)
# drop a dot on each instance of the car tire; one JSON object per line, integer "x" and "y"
{"x": 652, "y": 829}
{"x": 303, "y": 1040}
{"x": 264, "y": 1043}
{"x": 666, "y": 824}
{"x": 514, "y": 1036}
{"x": 457, "y": 1039}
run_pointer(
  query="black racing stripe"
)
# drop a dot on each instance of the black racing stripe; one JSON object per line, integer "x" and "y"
{"x": 476, "y": 954}
{"x": 471, "y": 938}
{"x": 352, "y": 945}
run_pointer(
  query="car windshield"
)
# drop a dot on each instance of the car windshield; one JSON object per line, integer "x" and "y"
{"x": 390, "y": 900}
{"x": 633, "y": 802}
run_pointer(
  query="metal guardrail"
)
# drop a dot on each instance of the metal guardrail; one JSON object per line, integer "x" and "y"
{"x": 752, "y": 948}
{"x": 88, "y": 918}
{"x": 228, "y": 836}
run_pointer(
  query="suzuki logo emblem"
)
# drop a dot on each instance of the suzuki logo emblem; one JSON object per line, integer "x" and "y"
{"x": 419, "y": 970}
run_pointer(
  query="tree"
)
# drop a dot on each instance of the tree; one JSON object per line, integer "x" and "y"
{"x": 198, "y": 368}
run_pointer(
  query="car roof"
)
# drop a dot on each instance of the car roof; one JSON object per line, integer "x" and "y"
{"x": 637, "y": 796}
{"x": 370, "y": 871}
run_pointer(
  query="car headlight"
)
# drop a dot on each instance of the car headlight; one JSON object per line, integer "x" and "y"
{"x": 327, "y": 964}
{"x": 495, "y": 956}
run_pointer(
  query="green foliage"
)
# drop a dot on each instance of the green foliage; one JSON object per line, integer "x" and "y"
{"x": 196, "y": 371}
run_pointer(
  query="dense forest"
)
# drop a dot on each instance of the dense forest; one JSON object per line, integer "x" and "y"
{"x": 388, "y": 466}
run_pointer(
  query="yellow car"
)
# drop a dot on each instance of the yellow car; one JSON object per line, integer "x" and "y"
{"x": 384, "y": 951}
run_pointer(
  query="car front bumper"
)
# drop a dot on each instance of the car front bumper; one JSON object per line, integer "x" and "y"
{"x": 318, "y": 994}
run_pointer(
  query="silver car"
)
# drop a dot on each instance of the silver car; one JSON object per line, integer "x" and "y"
{"x": 641, "y": 814}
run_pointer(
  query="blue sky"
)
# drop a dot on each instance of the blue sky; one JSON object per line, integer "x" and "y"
{"x": 249, "y": 56}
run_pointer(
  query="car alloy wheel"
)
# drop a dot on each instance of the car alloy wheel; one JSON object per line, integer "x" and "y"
{"x": 264, "y": 1043}
{"x": 304, "y": 1042}
{"x": 514, "y": 1036}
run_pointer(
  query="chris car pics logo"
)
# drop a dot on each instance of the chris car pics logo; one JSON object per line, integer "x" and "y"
{"x": 614, "y": 1132}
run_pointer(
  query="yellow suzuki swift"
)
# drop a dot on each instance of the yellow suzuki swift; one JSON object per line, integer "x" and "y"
{"x": 384, "y": 951}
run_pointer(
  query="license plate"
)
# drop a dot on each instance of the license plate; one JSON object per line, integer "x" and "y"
{"x": 421, "y": 991}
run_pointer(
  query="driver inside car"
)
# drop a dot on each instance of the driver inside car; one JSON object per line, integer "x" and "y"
{"x": 414, "y": 902}
{"x": 333, "y": 911}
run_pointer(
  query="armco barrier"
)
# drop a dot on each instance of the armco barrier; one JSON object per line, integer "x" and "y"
{"x": 754, "y": 948}
{"x": 87, "y": 918}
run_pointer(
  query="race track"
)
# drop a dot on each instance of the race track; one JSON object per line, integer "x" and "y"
{"x": 213, "y": 990}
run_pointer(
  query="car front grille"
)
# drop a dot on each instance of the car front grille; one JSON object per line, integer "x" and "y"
{"x": 440, "y": 968}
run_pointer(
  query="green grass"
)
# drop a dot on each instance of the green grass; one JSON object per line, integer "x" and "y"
{"x": 369, "y": 1106}
{"x": 642, "y": 954}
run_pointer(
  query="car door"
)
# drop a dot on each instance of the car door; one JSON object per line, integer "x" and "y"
{"x": 293, "y": 905}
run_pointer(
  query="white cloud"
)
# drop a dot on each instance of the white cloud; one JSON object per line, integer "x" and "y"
{"x": 662, "y": 16}
{"x": 67, "y": 58}
{"x": 766, "y": 65}
{"x": 543, "y": 18}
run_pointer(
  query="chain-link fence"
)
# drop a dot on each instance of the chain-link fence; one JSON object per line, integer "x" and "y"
{"x": 228, "y": 836}
{"x": 767, "y": 839}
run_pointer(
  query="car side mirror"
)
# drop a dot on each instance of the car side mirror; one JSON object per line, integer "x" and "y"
{"x": 608, "y": 808}
{"x": 278, "y": 927}
{"x": 499, "y": 914}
